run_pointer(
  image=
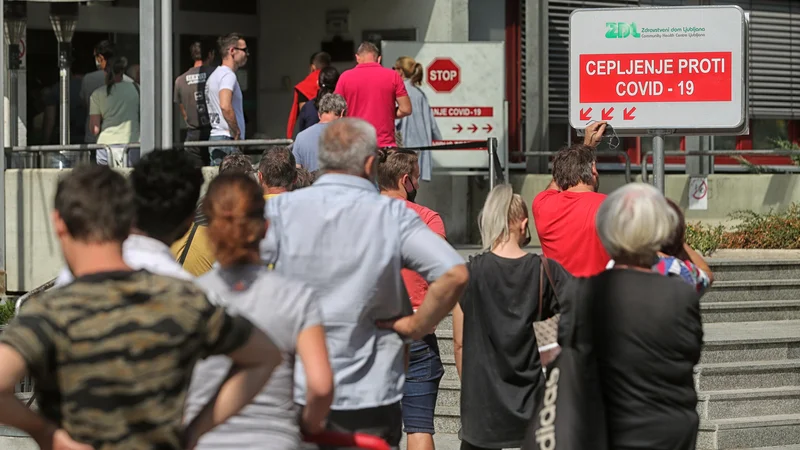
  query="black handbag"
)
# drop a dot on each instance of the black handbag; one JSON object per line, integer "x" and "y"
{"x": 570, "y": 414}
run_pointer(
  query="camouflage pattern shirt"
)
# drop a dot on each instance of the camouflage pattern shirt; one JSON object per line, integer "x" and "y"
{"x": 112, "y": 355}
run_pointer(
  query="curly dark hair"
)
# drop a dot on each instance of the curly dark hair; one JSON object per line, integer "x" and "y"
{"x": 166, "y": 185}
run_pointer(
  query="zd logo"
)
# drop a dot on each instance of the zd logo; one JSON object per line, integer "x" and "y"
{"x": 619, "y": 30}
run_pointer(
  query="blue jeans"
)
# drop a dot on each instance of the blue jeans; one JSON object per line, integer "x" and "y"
{"x": 217, "y": 154}
{"x": 425, "y": 371}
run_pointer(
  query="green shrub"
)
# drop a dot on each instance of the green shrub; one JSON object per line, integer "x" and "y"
{"x": 772, "y": 230}
{"x": 6, "y": 311}
{"x": 705, "y": 239}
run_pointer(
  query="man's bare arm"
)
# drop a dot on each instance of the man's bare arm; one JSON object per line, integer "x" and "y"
{"x": 226, "y": 104}
{"x": 403, "y": 107}
{"x": 15, "y": 414}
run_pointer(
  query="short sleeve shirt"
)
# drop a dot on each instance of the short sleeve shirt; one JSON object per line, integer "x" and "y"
{"x": 565, "y": 223}
{"x": 416, "y": 286}
{"x": 223, "y": 78}
{"x": 112, "y": 348}
{"x": 190, "y": 91}
{"x": 306, "y": 146}
{"x": 283, "y": 308}
{"x": 371, "y": 93}
{"x": 119, "y": 111}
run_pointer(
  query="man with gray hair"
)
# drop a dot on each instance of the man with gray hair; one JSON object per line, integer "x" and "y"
{"x": 350, "y": 243}
{"x": 306, "y": 145}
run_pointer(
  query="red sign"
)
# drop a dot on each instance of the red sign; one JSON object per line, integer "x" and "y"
{"x": 656, "y": 77}
{"x": 444, "y": 75}
{"x": 463, "y": 111}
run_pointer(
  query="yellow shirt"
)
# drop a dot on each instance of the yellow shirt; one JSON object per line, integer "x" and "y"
{"x": 201, "y": 254}
{"x": 200, "y": 257}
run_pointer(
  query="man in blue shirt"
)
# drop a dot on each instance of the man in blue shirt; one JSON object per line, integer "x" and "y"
{"x": 349, "y": 243}
{"x": 306, "y": 145}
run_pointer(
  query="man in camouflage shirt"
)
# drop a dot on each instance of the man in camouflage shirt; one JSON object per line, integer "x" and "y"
{"x": 112, "y": 353}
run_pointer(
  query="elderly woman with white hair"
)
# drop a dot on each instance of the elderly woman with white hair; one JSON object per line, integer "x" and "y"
{"x": 644, "y": 328}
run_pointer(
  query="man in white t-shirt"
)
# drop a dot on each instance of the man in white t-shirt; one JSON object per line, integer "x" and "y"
{"x": 224, "y": 96}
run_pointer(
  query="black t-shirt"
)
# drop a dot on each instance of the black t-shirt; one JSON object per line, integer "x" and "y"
{"x": 501, "y": 371}
{"x": 190, "y": 91}
{"x": 646, "y": 332}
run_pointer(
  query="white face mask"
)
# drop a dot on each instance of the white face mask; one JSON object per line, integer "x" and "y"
{"x": 97, "y": 64}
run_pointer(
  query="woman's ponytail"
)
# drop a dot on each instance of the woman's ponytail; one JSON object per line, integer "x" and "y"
{"x": 114, "y": 68}
{"x": 417, "y": 74}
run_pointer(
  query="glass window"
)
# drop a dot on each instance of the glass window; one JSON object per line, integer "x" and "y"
{"x": 232, "y": 7}
{"x": 724, "y": 142}
{"x": 766, "y": 132}
{"x": 671, "y": 143}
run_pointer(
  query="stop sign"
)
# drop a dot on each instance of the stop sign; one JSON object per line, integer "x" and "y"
{"x": 443, "y": 75}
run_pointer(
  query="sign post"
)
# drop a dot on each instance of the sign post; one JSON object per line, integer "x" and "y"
{"x": 465, "y": 87}
{"x": 658, "y": 71}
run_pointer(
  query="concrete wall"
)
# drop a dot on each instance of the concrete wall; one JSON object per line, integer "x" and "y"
{"x": 34, "y": 257}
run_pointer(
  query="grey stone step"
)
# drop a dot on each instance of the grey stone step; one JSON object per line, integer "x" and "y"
{"x": 781, "y": 431}
{"x": 724, "y": 342}
{"x": 755, "y": 290}
{"x": 713, "y": 405}
{"x": 733, "y": 270}
{"x": 449, "y": 393}
{"x": 748, "y": 311}
{"x": 747, "y": 375}
{"x": 708, "y": 377}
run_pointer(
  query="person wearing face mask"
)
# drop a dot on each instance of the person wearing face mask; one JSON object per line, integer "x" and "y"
{"x": 495, "y": 346}
{"x": 398, "y": 177}
{"x": 349, "y": 244}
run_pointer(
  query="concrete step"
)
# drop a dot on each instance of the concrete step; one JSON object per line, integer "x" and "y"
{"x": 748, "y": 311}
{"x": 716, "y": 312}
{"x": 765, "y": 432}
{"x": 731, "y": 404}
{"x": 734, "y": 270}
{"x": 747, "y": 375}
{"x": 752, "y": 290}
{"x": 767, "y": 348}
{"x": 708, "y": 377}
{"x": 781, "y": 431}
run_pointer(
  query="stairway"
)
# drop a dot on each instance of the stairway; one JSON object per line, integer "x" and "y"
{"x": 748, "y": 379}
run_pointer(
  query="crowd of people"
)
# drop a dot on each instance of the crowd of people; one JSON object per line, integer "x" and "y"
{"x": 303, "y": 295}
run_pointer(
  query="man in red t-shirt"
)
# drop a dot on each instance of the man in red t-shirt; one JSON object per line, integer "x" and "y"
{"x": 565, "y": 212}
{"x": 398, "y": 177}
{"x": 374, "y": 93}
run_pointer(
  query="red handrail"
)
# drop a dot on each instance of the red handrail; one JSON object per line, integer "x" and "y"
{"x": 359, "y": 440}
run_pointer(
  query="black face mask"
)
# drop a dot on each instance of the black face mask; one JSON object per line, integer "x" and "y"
{"x": 411, "y": 194}
{"x": 527, "y": 239}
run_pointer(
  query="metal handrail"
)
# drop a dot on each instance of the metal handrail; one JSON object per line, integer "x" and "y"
{"x": 776, "y": 152}
{"x": 624, "y": 154}
{"x": 31, "y": 293}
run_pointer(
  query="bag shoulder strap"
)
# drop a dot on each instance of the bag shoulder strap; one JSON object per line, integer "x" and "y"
{"x": 185, "y": 251}
{"x": 544, "y": 272}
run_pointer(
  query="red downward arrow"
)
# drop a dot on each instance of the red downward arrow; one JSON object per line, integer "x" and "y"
{"x": 458, "y": 128}
{"x": 473, "y": 128}
{"x": 606, "y": 115}
{"x": 586, "y": 115}
{"x": 628, "y": 114}
{"x": 488, "y": 128}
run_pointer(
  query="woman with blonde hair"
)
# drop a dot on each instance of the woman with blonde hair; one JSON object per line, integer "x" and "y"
{"x": 497, "y": 355}
{"x": 285, "y": 309}
{"x": 419, "y": 129}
